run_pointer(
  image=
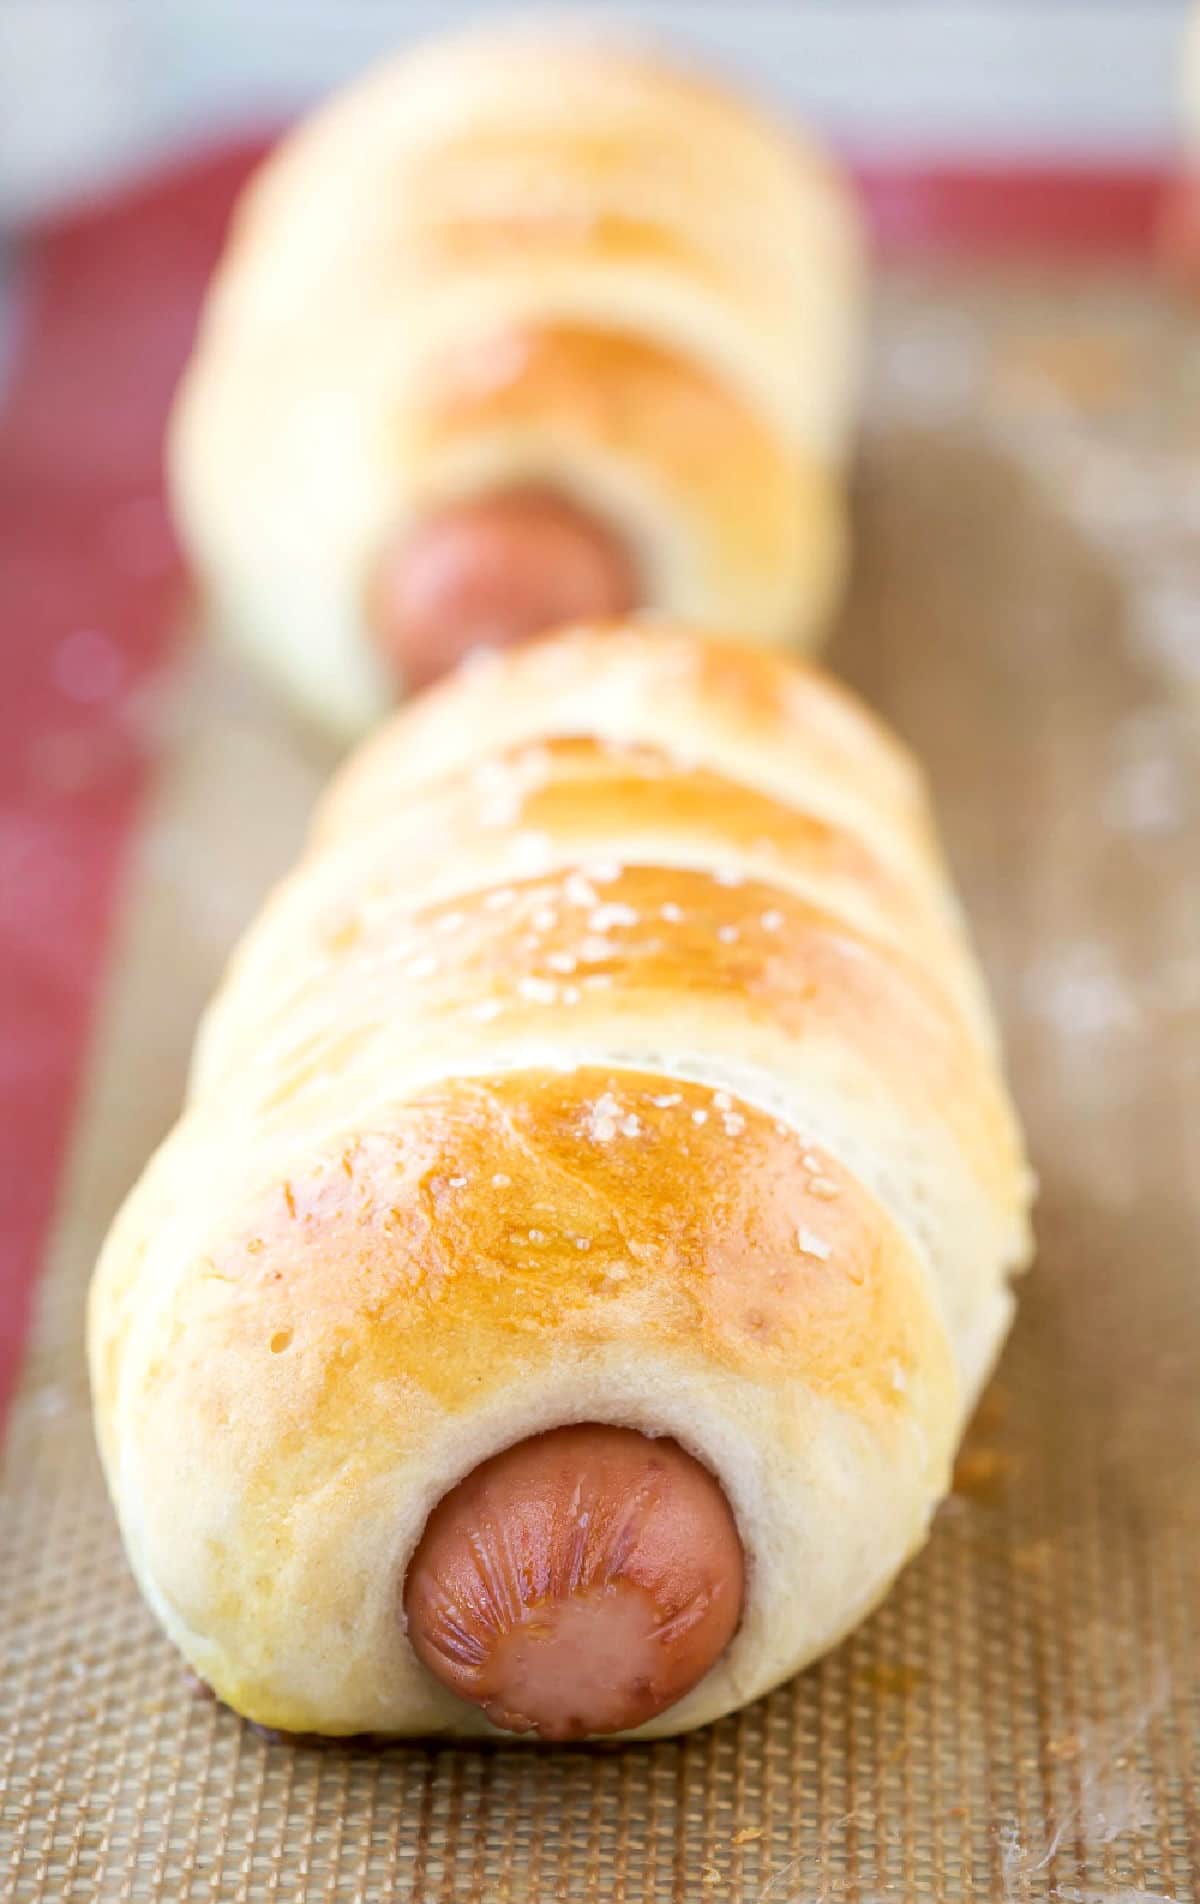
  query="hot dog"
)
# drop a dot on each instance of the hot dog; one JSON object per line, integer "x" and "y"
{"x": 591, "y": 1223}
{"x": 504, "y": 273}
{"x": 579, "y": 1583}
{"x": 491, "y": 571}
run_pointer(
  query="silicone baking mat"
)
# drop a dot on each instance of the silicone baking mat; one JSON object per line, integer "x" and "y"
{"x": 1021, "y": 1720}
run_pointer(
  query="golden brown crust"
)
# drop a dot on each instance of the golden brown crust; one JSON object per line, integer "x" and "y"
{"x": 504, "y": 1211}
{"x": 541, "y": 806}
{"x": 754, "y": 507}
{"x": 524, "y": 957}
{"x": 786, "y": 730}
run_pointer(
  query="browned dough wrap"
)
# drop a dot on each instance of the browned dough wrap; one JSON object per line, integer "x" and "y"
{"x": 605, "y": 1117}
{"x": 513, "y": 264}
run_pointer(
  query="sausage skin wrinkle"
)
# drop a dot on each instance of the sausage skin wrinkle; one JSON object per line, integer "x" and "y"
{"x": 489, "y": 572}
{"x": 579, "y": 1583}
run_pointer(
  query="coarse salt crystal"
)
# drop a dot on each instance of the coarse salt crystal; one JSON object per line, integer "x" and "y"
{"x": 631, "y": 1125}
{"x": 728, "y": 876}
{"x": 539, "y": 991}
{"x": 813, "y": 1245}
{"x": 486, "y": 1008}
{"x": 771, "y": 921}
{"x": 537, "y": 1236}
{"x": 562, "y": 961}
{"x": 735, "y": 1123}
{"x": 727, "y": 934}
{"x": 500, "y": 1181}
{"x": 457, "y": 1183}
{"x": 543, "y": 919}
{"x": 722, "y": 1101}
{"x": 424, "y": 967}
{"x": 450, "y": 922}
{"x": 613, "y": 914}
{"x": 604, "y": 871}
{"x": 579, "y": 891}
{"x": 501, "y": 896}
{"x": 699, "y": 1117}
{"x": 602, "y": 1119}
{"x": 665, "y": 1103}
{"x": 672, "y": 913}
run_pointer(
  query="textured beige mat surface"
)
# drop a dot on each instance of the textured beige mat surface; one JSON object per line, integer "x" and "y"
{"x": 1022, "y": 1718}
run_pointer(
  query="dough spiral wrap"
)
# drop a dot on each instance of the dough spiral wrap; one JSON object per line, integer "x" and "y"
{"x": 614, "y": 1054}
{"x": 506, "y": 261}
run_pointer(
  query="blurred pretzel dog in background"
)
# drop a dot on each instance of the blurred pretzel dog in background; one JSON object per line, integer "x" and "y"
{"x": 525, "y": 327}
{"x": 593, "y": 1219}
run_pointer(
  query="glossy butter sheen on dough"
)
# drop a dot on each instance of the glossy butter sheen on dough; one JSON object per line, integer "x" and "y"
{"x": 671, "y": 1101}
{"x": 510, "y": 259}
